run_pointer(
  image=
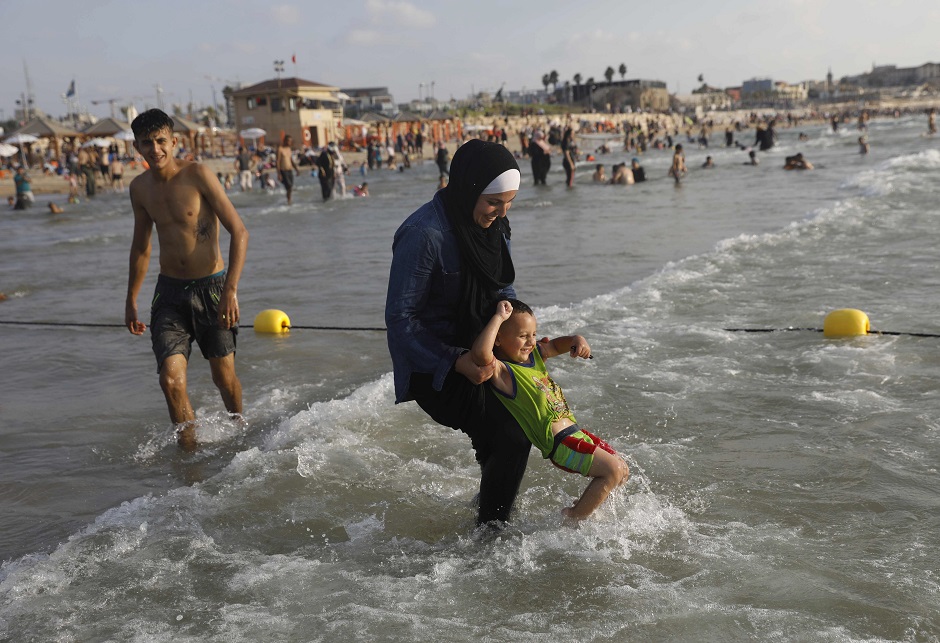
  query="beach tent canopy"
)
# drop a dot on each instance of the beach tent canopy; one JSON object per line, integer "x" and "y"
{"x": 440, "y": 115}
{"x": 44, "y": 127}
{"x": 374, "y": 117}
{"x": 185, "y": 126}
{"x": 106, "y": 127}
{"x": 408, "y": 117}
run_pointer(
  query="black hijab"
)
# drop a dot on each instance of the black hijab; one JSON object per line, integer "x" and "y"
{"x": 485, "y": 262}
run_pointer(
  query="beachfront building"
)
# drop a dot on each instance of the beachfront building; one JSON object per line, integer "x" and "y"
{"x": 312, "y": 113}
{"x": 620, "y": 95}
{"x": 705, "y": 98}
{"x": 701, "y": 103}
{"x": 766, "y": 92}
{"x": 369, "y": 99}
{"x": 894, "y": 76}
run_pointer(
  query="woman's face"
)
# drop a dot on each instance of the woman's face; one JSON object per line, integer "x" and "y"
{"x": 490, "y": 207}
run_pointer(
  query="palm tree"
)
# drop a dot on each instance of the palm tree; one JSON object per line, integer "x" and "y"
{"x": 546, "y": 80}
{"x": 553, "y": 79}
{"x": 609, "y": 74}
{"x": 577, "y": 82}
{"x": 622, "y": 70}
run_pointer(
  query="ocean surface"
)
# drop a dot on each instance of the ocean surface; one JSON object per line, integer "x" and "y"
{"x": 784, "y": 486}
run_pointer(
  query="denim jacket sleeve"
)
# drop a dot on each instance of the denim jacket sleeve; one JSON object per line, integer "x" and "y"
{"x": 420, "y": 309}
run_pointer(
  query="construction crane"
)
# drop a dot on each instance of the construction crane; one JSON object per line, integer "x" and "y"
{"x": 109, "y": 101}
{"x": 112, "y": 101}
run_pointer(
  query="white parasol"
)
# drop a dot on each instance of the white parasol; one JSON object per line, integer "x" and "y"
{"x": 125, "y": 135}
{"x": 7, "y": 150}
{"x": 253, "y": 133}
{"x": 20, "y": 139}
{"x": 96, "y": 142}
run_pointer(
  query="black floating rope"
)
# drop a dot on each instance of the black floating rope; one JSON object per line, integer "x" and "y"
{"x": 819, "y": 330}
{"x": 770, "y": 330}
{"x": 382, "y": 330}
{"x": 93, "y": 325}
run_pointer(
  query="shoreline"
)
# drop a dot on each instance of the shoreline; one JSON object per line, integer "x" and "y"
{"x": 52, "y": 184}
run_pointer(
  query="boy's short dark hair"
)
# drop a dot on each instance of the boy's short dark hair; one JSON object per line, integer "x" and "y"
{"x": 519, "y": 307}
{"x": 153, "y": 120}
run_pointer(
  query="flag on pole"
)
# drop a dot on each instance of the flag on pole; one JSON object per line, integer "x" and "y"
{"x": 71, "y": 91}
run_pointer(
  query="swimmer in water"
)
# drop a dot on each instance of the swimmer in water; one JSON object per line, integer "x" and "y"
{"x": 797, "y": 162}
{"x": 622, "y": 175}
{"x": 678, "y": 168}
{"x": 862, "y": 145}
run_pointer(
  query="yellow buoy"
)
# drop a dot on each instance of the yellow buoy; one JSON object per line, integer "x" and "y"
{"x": 272, "y": 321}
{"x": 846, "y": 322}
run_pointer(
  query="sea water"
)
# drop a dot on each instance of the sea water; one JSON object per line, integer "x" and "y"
{"x": 783, "y": 485}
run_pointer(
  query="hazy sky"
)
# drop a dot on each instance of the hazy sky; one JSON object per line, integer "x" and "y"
{"x": 124, "y": 49}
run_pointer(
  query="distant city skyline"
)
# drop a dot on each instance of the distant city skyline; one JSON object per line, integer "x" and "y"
{"x": 125, "y": 52}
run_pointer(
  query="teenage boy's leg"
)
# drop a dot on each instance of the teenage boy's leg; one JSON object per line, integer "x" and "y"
{"x": 226, "y": 380}
{"x": 173, "y": 383}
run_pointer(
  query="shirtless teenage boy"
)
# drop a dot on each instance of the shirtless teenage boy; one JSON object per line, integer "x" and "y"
{"x": 195, "y": 298}
{"x": 286, "y": 165}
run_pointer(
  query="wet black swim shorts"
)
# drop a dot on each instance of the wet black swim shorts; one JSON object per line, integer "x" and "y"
{"x": 184, "y": 310}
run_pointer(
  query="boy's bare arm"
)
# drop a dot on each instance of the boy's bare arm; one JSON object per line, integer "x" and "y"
{"x": 482, "y": 350}
{"x": 214, "y": 194}
{"x": 574, "y": 345}
{"x": 139, "y": 262}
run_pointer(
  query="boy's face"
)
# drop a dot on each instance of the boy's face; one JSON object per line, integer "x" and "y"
{"x": 516, "y": 338}
{"x": 157, "y": 147}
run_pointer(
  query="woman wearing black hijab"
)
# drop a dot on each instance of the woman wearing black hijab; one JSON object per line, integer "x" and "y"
{"x": 450, "y": 266}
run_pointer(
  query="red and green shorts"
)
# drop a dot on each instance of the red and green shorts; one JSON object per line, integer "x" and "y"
{"x": 574, "y": 448}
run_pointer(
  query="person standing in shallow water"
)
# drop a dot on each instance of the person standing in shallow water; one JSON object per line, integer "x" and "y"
{"x": 450, "y": 265}
{"x": 195, "y": 297}
{"x": 326, "y": 168}
{"x": 286, "y": 165}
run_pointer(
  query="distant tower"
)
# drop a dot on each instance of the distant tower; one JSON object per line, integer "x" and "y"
{"x": 829, "y": 82}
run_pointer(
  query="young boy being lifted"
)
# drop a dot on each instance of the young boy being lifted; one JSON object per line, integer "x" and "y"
{"x": 523, "y": 384}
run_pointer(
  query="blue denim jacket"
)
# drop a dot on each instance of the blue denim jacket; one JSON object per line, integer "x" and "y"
{"x": 423, "y": 293}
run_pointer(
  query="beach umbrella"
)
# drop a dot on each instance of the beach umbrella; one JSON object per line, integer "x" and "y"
{"x": 96, "y": 142}
{"x": 253, "y": 133}
{"x": 7, "y": 150}
{"x": 20, "y": 139}
{"x": 125, "y": 135}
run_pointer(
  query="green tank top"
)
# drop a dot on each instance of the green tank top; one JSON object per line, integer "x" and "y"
{"x": 536, "y": 401}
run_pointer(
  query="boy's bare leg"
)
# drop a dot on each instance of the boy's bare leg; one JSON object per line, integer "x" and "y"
{"x": 173, "y": 383}
{"x": 225, "y": 379}
{"x": 608, "y": 472}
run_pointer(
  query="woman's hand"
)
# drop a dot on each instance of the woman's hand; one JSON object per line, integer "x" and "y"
{"x": 476, "y": 374}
